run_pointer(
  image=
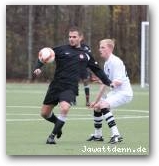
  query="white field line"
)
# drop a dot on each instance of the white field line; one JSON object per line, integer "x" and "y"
{"x": 44, "y": 91}
{"x": 71, "y": 116}
{"x": 74, "y": 108}
{"x": 16, "y": 114}
{"x": 26, "y": 120}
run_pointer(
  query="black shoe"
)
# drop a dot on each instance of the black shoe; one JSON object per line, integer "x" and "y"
{"x": 59, "y": 134}
{"x": 115, "y": 139}
{"x": 51, "y": 139}
{"x": 93, "y": 138}
{"x": 120, "y": 139}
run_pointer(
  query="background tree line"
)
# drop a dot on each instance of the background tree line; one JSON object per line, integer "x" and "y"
{"x": 32, "y": 27}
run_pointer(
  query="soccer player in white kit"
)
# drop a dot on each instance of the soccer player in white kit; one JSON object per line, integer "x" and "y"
{"x": 120, "y": 94}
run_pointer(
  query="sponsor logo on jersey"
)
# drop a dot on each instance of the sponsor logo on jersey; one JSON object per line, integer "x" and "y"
{"x": 81, "y": 56}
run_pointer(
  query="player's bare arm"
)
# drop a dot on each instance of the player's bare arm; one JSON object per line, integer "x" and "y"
{"x": 37, "y": 70}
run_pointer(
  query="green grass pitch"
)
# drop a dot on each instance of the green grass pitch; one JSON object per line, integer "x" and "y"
{"x": 26, "y": 131}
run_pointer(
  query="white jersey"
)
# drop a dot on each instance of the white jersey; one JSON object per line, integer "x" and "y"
{"x": 115, "y": 70}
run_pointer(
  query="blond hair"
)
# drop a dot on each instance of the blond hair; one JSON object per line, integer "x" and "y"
{"x": 109, "y": 42}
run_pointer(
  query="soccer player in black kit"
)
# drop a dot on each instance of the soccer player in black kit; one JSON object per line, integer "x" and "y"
{"x": 63, "y": 89}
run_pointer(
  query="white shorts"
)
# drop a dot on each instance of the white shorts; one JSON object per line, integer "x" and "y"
{"x": 116, "y": 99}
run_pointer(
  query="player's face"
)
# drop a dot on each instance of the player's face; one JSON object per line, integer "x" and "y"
{"x": 75, "y": 39}
{"x": 104, "y": 50}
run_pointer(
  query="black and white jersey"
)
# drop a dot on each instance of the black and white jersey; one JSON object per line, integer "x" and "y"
{"x": 67, "y": 70}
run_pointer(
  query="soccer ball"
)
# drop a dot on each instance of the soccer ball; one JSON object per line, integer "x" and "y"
{"x": 46, "y": 55}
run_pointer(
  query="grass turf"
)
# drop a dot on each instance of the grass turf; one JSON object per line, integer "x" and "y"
{"x": 26, "y": 131}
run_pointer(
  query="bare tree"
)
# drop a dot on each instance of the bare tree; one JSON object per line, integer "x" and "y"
{"x": 87, "y": 23}
{"x": 29, "y": 28}
{"x": 30, "y": 40}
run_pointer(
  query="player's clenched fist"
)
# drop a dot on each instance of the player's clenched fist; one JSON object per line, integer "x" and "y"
{"x": 92, "y": 104}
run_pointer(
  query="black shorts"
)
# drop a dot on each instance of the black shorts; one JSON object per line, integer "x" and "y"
{"x": 84, "y": 74}
{"x": 53, "y": 97}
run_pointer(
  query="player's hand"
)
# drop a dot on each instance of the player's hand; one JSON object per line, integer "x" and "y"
{"x": 96, "y": 106}
{"x": 115, "y": 83}
{"x": 37, "y": 72}
{"x": 93, "y": 105}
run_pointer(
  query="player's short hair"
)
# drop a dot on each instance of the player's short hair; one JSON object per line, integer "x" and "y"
{"x": 77, "y": 29}
{"x": 109, "y": 42}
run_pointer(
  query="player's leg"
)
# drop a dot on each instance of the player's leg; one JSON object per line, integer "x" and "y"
{"x": 65, "y": 100}
{"x": 98, "y": 118}
{"x": 87, "y": 90}
{"x": 104, "y": 107}
{"x": 46, "y": 113}
{"x": 84, "y": 75}
{"x": 113, "y": 100}
{"x": 64, "y": 109}
{"x": 50, "y": 101}
{"x": 60, "y": 121}
{"x": 109, "y": 118}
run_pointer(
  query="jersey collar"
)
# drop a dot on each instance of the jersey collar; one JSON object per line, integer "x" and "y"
{"x": 109, "y": 59}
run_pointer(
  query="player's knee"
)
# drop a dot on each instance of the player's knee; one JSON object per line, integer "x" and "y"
{"x": 64, "y": 107}
{"x": 43, "y": 115}
{"x": 45, "y": 111}
{"x": 97, "y": 110}
{"x": 104, "y": 104}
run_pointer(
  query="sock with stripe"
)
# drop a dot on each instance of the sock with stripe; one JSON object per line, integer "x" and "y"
{"x": 108, "y": 116}
{"x": 98, "y": 118}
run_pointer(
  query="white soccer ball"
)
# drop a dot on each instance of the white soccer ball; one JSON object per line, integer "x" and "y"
{"x": 46, "y": 55}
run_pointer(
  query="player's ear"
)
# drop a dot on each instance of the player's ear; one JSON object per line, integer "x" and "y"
{"x": 81, "y": 37}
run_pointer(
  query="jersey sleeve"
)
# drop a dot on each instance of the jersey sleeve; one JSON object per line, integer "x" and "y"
{"x": 56, "y": 50}
{"x": 93, "y": 65}
{"x": 38, "y": 64}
